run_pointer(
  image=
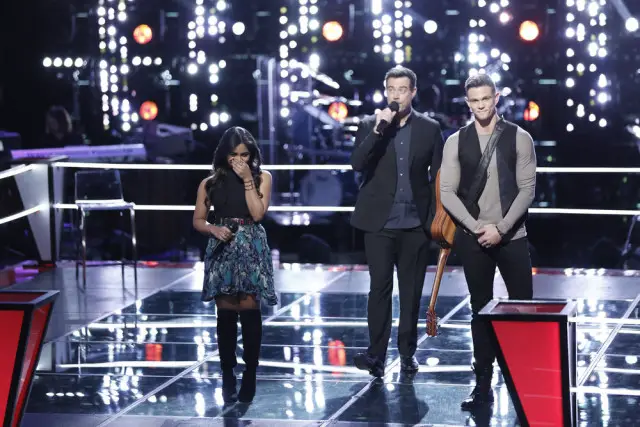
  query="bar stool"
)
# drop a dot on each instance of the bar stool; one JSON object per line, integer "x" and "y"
{"x": 102, "y": 191}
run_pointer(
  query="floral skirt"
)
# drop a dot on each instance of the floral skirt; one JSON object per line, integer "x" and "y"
{"x": 241, "y": 266}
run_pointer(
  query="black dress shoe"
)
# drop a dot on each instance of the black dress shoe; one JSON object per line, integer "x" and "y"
{"x": 409, "y": 364}
{"x": 367, "y": 362}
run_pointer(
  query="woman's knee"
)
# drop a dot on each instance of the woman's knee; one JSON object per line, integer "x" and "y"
{"x": 249, "y": 302}
{"x": 227, "y": 303}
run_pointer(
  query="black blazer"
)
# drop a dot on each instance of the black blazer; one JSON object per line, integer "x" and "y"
{"x": 375, "y": 158}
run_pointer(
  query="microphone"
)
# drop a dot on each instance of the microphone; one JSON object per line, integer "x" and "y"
{"x": 233, "y": 227}
{"x": 394, "y": 106}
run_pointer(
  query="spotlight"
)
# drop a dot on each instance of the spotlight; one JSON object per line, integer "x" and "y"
{"x": 238, "y": 28}
{"x": 529, "y": 31}
{"x": 505, "y": 17}
{"x": 532, "y": 112}
{"x": 332, "y": 31}
{"x": 142, "y": 34}
{"x": 430, "y": 27}
{"x": 148, "y": 110}
{"x": 338, "y": 111}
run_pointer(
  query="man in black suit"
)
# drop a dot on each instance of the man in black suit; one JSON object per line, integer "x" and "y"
{"x": 395, "y": 207}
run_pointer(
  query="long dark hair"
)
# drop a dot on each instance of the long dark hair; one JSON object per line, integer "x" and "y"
{"x": 231, "y": 138}
{"x": 62, "y": 118}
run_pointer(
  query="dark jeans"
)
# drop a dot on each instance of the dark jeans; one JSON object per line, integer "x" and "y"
{"x": 408, "y": 250}
{"x": 514, "y": 262}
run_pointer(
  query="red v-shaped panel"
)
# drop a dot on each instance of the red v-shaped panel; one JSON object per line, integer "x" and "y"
{"x": 531, "y": 353}
{"x": 34, "y": 343}
{"x": 11, "y": 321}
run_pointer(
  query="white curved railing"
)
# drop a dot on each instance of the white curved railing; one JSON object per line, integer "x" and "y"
{"x": 38, "y": 206}
{"x": 134, "y": 166}
{"x": 141, "y": 166}
{"x": 544, "y": 170}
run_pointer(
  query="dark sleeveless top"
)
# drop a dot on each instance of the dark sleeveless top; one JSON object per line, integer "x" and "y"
{"x": 228, "y": 198}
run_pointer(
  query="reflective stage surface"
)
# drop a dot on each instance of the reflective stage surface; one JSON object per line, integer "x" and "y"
{"x": 154, "y": 361}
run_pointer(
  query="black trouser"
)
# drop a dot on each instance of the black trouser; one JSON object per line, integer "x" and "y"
{"x": 514, "y": 262}
{"x": 408, "y": 250}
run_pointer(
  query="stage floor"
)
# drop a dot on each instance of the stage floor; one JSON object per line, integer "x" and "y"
{"x": 149, "y": 360}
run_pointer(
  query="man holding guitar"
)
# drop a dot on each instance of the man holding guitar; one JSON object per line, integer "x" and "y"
{"x": 398, "y": 151}
{"x": 487, "y": 184}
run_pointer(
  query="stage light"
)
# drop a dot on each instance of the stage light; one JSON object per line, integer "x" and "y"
{"x": 532, "y": 112}
{"x": 505, "y": 17}
{"x": 59, "y": 62}
{"x": 113, "y": 79}
{"x": 430, "y": 27}
{"x": 631, "y": 24}
{"x": 238, "y": 28}
{"x": 338, "y": 111}
{"x": 603, "y": 97}
{"x": 587, "y": 24}
{"x": 148, "y": 110}
{"x": 394, "y": 29}
{"x": 332, "y": 31}
{"x": 142, "y": 34}
{"x": 529, "y": 31}
{"x": 207, "y": 23}
{"x": 314, "y": 61}
{"x": 296, "y": 23}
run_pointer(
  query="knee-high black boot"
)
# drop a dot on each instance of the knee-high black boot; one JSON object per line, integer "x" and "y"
{"x": 251, "y": 321}
{"x": 482, "y": 394}
{"x": 227, "y": 343}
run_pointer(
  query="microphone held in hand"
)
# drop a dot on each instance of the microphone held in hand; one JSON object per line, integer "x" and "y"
{"x": 395, "y": 107}
{"x": 233, "y": 227}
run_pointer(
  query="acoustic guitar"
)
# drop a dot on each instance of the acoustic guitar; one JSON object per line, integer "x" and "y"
{"x": 443, "y": 231}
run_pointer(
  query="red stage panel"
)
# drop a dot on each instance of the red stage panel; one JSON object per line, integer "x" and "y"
{"x": 11, "y": 321}
{"x": 20, "y": 296}
{"x": 514, "y": 308}
{"x": 24, "y": 317}
{"x": 34, "y": 343}
{"x": 532, "y": 354}
{"x": 7, "y": 277}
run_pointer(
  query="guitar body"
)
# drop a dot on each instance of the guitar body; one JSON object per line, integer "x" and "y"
{"x": 443, "y": 231}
